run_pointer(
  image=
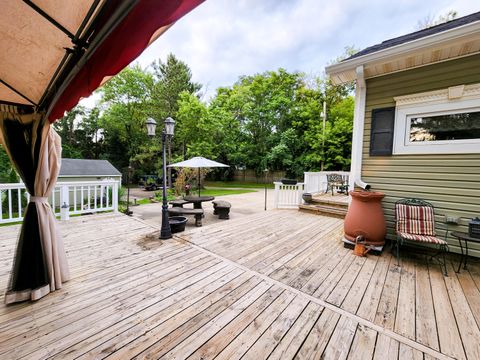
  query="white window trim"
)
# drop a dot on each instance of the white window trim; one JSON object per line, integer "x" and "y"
{"x": 456, "y": 99}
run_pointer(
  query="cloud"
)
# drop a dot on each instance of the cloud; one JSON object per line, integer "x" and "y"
{"x": 224, "y": 39}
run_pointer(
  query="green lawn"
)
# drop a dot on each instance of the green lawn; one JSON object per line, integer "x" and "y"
{"x": 221, "y": 192}
{"x": 143, "y": 201}
{"x": 239, "y": 184}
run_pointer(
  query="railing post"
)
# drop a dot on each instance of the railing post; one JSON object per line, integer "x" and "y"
{"x": 115, "y": 196}
{"x": 299, "y": 193}
{"x": 276, "y": 194}
{"x": 64, "y": 202}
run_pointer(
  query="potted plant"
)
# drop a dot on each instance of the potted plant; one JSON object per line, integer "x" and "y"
{"x": 288, "y": 181}
{"x": 177, "y": 223}
{"x": 307, "y": 197}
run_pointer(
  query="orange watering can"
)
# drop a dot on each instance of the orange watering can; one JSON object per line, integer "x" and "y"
{"x": 360, "y": 249}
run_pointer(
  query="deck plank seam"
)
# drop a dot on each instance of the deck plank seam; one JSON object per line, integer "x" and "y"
{"x": 354, "y": 317}
{"x": 433, "y": 305}
{"x": 292, "y": 324}
{"x": 306, "y": 336}
{"x": 199, "y": 299}
{"x": 246, "y": 324}
{"x": 461, "y": 333}
{"x": 365, "y": 290}
{"x": 238, "y": 299}
{"x": 266, "y": 328}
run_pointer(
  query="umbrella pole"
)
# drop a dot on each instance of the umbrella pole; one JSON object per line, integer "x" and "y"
{"x": 199, "y": 182}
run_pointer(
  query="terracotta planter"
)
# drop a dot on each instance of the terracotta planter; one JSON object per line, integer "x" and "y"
{"x": 365, "y": 217}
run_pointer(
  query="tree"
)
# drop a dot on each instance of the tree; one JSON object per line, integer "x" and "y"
{"x": 66, "y": 128}
{"x": 125, "y": 102}
{"x": 262, "y": 105}
{"x": 171, "y": 79}
{"x": 430, "y": 21}
{"x": 195, "y": 127}
{"x": 272, "y": 119}
{"x": 80, "y": 133}
{"x": 7, "y": 173}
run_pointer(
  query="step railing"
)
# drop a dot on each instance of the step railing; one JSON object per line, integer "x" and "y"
{"x": 67, "y": 198}
{"x": 287, "y": 196}
{"x": 316, "y": 182}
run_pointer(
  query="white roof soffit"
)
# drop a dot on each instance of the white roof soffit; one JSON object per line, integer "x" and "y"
{"x": 447, "y": 45}
{"x": 32, "y": 46}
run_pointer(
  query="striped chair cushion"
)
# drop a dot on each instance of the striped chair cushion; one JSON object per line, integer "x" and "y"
{"x": 412, "y": 219}
{"x": 422, "y": 238}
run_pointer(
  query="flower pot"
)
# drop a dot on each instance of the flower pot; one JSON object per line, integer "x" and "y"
{"x": 307, "y": 197}
{"x": 177, "y": 223}
{"x": 365, "y": 218}
{"x": 289, "y": 181}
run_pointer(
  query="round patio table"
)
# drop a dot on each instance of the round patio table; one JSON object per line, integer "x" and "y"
{"x": 197, "y": 200}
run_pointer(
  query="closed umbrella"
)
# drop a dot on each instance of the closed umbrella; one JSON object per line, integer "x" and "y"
{"x": 198, "y": 162}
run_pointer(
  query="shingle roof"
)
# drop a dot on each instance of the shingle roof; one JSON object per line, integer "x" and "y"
{"x": 418, "y": 34}
{"x": 81, "y": 167}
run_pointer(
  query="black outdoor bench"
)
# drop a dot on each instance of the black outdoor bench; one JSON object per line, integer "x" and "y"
{"x": 179, "y": 203}
{"x": 198, "y": 213}
{"x": 221, "y": 208}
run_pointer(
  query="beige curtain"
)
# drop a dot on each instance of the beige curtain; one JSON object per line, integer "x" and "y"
{"x": 45, "y": 180}
{"x": 40, "y": 264}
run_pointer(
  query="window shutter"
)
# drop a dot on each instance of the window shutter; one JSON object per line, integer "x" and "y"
{"x": 381, "y": 134}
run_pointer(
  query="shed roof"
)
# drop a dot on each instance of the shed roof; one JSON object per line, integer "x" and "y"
{"x": 82, "y": 167}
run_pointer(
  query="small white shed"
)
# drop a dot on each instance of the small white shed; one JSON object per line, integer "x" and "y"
{"x": 88, "y": 170}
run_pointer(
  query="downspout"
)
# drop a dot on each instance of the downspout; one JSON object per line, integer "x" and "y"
{"x": 358, "y": 126}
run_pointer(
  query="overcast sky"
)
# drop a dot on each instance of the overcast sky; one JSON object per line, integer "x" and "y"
{"x": 223, "y": 39}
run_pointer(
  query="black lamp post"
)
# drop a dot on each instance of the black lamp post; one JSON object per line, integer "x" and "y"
{"x": 167, "y": 133}
{"x": 129, "y": 178}
{"x": 266, "y": 173}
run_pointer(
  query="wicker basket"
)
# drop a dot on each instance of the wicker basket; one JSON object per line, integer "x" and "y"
{"x": 474, "y": 228}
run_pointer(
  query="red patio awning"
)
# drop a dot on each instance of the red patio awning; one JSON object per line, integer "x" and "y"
{"x": 54, "y": 54}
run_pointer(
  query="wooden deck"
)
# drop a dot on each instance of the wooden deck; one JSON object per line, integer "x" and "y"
{"x": 277, "y": 285}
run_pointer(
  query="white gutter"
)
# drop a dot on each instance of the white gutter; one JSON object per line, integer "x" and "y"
{"x": 431, "y": 41}
{"x": 358, "y": 126}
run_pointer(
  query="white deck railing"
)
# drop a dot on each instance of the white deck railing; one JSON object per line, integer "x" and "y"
{"x": 316, "y": 182}
{"x": 68, "y": 198}
{"x": 287, "y": 196}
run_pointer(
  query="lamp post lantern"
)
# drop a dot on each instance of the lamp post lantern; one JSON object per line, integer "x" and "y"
{"x": 151, "y": 126}
{"x": 167, "y": 133}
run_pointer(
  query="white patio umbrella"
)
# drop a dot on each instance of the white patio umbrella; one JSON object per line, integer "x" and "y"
{"x": 198, "y": 162}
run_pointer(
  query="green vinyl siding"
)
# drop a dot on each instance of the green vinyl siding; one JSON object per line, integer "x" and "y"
{"x": 450, "y": 182}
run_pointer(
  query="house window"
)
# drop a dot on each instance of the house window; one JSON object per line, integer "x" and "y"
{"x": 438, "y": 123}
{"x": 445, "y": 127}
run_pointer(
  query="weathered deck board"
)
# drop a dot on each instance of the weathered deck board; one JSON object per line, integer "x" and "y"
{"x": 275, "y": 285}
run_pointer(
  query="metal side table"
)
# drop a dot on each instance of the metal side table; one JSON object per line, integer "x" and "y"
{"x": 461, "y": 236}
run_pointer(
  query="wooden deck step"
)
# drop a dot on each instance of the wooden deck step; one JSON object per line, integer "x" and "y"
{"x": 328, "y": 205}
{"x": 332, "y": 201}
{"x": 327, "y": 210}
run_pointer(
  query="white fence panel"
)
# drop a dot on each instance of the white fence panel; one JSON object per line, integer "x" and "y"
{"x": 287, "y": 196}
{"x": 67, "y": 198}
{"x": 316, "y": 182}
